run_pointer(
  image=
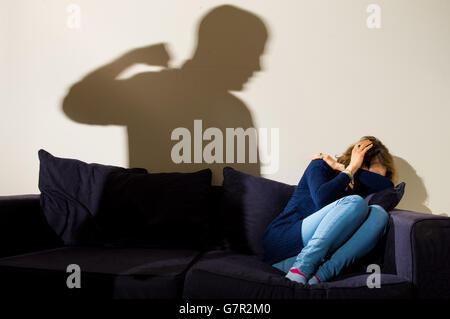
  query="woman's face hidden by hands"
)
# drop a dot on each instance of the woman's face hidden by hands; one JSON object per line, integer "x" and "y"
{"x": 376, "y": 167}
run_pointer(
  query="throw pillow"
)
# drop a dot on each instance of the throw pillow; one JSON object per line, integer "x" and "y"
{"x": 387, "y": 198}
{"x": 95, "y": 204}
{"x": 71, "y": 193}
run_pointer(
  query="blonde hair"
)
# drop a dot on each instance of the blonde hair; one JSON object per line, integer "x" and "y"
{"x": 377, "y": 152}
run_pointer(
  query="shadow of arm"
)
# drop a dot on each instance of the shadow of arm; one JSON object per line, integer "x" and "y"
{"x": 100, "y": 98}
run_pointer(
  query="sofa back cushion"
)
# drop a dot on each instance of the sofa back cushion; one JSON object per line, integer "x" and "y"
{"x": 249, "y": 204}
{"x": 95, "y": 204}
{"x": 157, "y": 210}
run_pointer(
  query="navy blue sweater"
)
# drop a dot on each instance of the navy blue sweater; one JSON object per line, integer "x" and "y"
{"x": 318, "y": 187}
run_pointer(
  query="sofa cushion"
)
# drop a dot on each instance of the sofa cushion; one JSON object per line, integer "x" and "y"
{"x": 249, "y": 204}
{"x": 245, "y": 276}
{"x": 105, "y": 273}
{"x": 71, "y": 194}
{"x": 387, "y": 198}
{"x": 94, "y": 204}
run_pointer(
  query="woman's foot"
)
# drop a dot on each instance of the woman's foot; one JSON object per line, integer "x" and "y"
{"x": 296, "y": 275}
{"x": 314, "y": 280}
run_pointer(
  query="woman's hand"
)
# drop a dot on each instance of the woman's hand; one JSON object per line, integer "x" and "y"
{"x": 358, "y": 152}
{"x": 329, "y": 160}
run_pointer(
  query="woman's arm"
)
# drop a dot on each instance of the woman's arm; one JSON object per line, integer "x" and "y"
{"x": 372, "y": 181}
{"x": 324, "y": 187}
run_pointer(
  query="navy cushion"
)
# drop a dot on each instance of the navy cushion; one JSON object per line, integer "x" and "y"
{"x": 158, "y": 210}
{"x": 71, "y": 195}
{"x": 92, "y": 204}
{"x": 249, "y": 204}
{"x": 387, "y": 198}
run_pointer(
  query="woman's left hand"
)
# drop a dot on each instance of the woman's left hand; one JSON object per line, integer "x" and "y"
{"x": 329, "y": 160}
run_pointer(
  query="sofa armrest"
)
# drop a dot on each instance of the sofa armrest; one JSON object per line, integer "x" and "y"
{"x": 422, "y": 251}
{"x": 23, "y": 227}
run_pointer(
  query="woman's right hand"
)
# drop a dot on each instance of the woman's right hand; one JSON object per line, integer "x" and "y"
{"x": 358, "y": 152}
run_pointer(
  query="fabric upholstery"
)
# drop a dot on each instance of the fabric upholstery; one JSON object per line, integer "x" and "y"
{"x": 105, "y": 273}
{"x": 421, "y": 251}
{"x": 242, "y": 276}
{"x": 95, "y": 204}
{"x": 71, "y": 194}
{"x": 249, "y": 204}
{"x": 23, "y": 227}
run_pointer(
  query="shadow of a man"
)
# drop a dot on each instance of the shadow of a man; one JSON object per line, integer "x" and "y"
{"x": 152, "y": 105}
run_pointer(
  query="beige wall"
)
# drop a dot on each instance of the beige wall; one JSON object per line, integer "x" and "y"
{"x": 326, "y": 80}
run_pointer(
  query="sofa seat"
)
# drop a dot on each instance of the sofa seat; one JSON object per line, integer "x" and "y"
{"x": 227, "y": 274}
{"x": 105, "y": 273}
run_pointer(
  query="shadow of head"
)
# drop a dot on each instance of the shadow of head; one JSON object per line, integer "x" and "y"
{"x": 230, "y": 42}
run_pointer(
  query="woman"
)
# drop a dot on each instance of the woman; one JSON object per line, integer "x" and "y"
{"x": 327, "y": 225}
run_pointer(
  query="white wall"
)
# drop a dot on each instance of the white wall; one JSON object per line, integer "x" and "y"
{"x": 327, "y": 80}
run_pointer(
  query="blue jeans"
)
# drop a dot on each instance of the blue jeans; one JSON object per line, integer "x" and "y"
{"x": 344, "y": 230}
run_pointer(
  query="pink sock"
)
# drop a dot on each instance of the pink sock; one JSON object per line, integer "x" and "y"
{"x": 296, "y": 275}
{"x": 314, "y": 280}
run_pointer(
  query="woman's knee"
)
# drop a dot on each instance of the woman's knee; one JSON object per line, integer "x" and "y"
{"x": 355, "y": 199}
{"x": 358, "y": 205}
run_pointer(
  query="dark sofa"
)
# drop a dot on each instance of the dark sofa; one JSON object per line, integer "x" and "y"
{"x": 414, "y": 257}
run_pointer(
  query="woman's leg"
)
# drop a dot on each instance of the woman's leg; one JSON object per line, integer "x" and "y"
{"x": 309, "y": 226}
{"x": 327, "y": 230}
{"x": 359, "y": 244}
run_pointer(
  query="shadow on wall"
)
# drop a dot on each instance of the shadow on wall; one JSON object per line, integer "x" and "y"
{"x": 152, "y": 104}
{"x": 415, "y": 192}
